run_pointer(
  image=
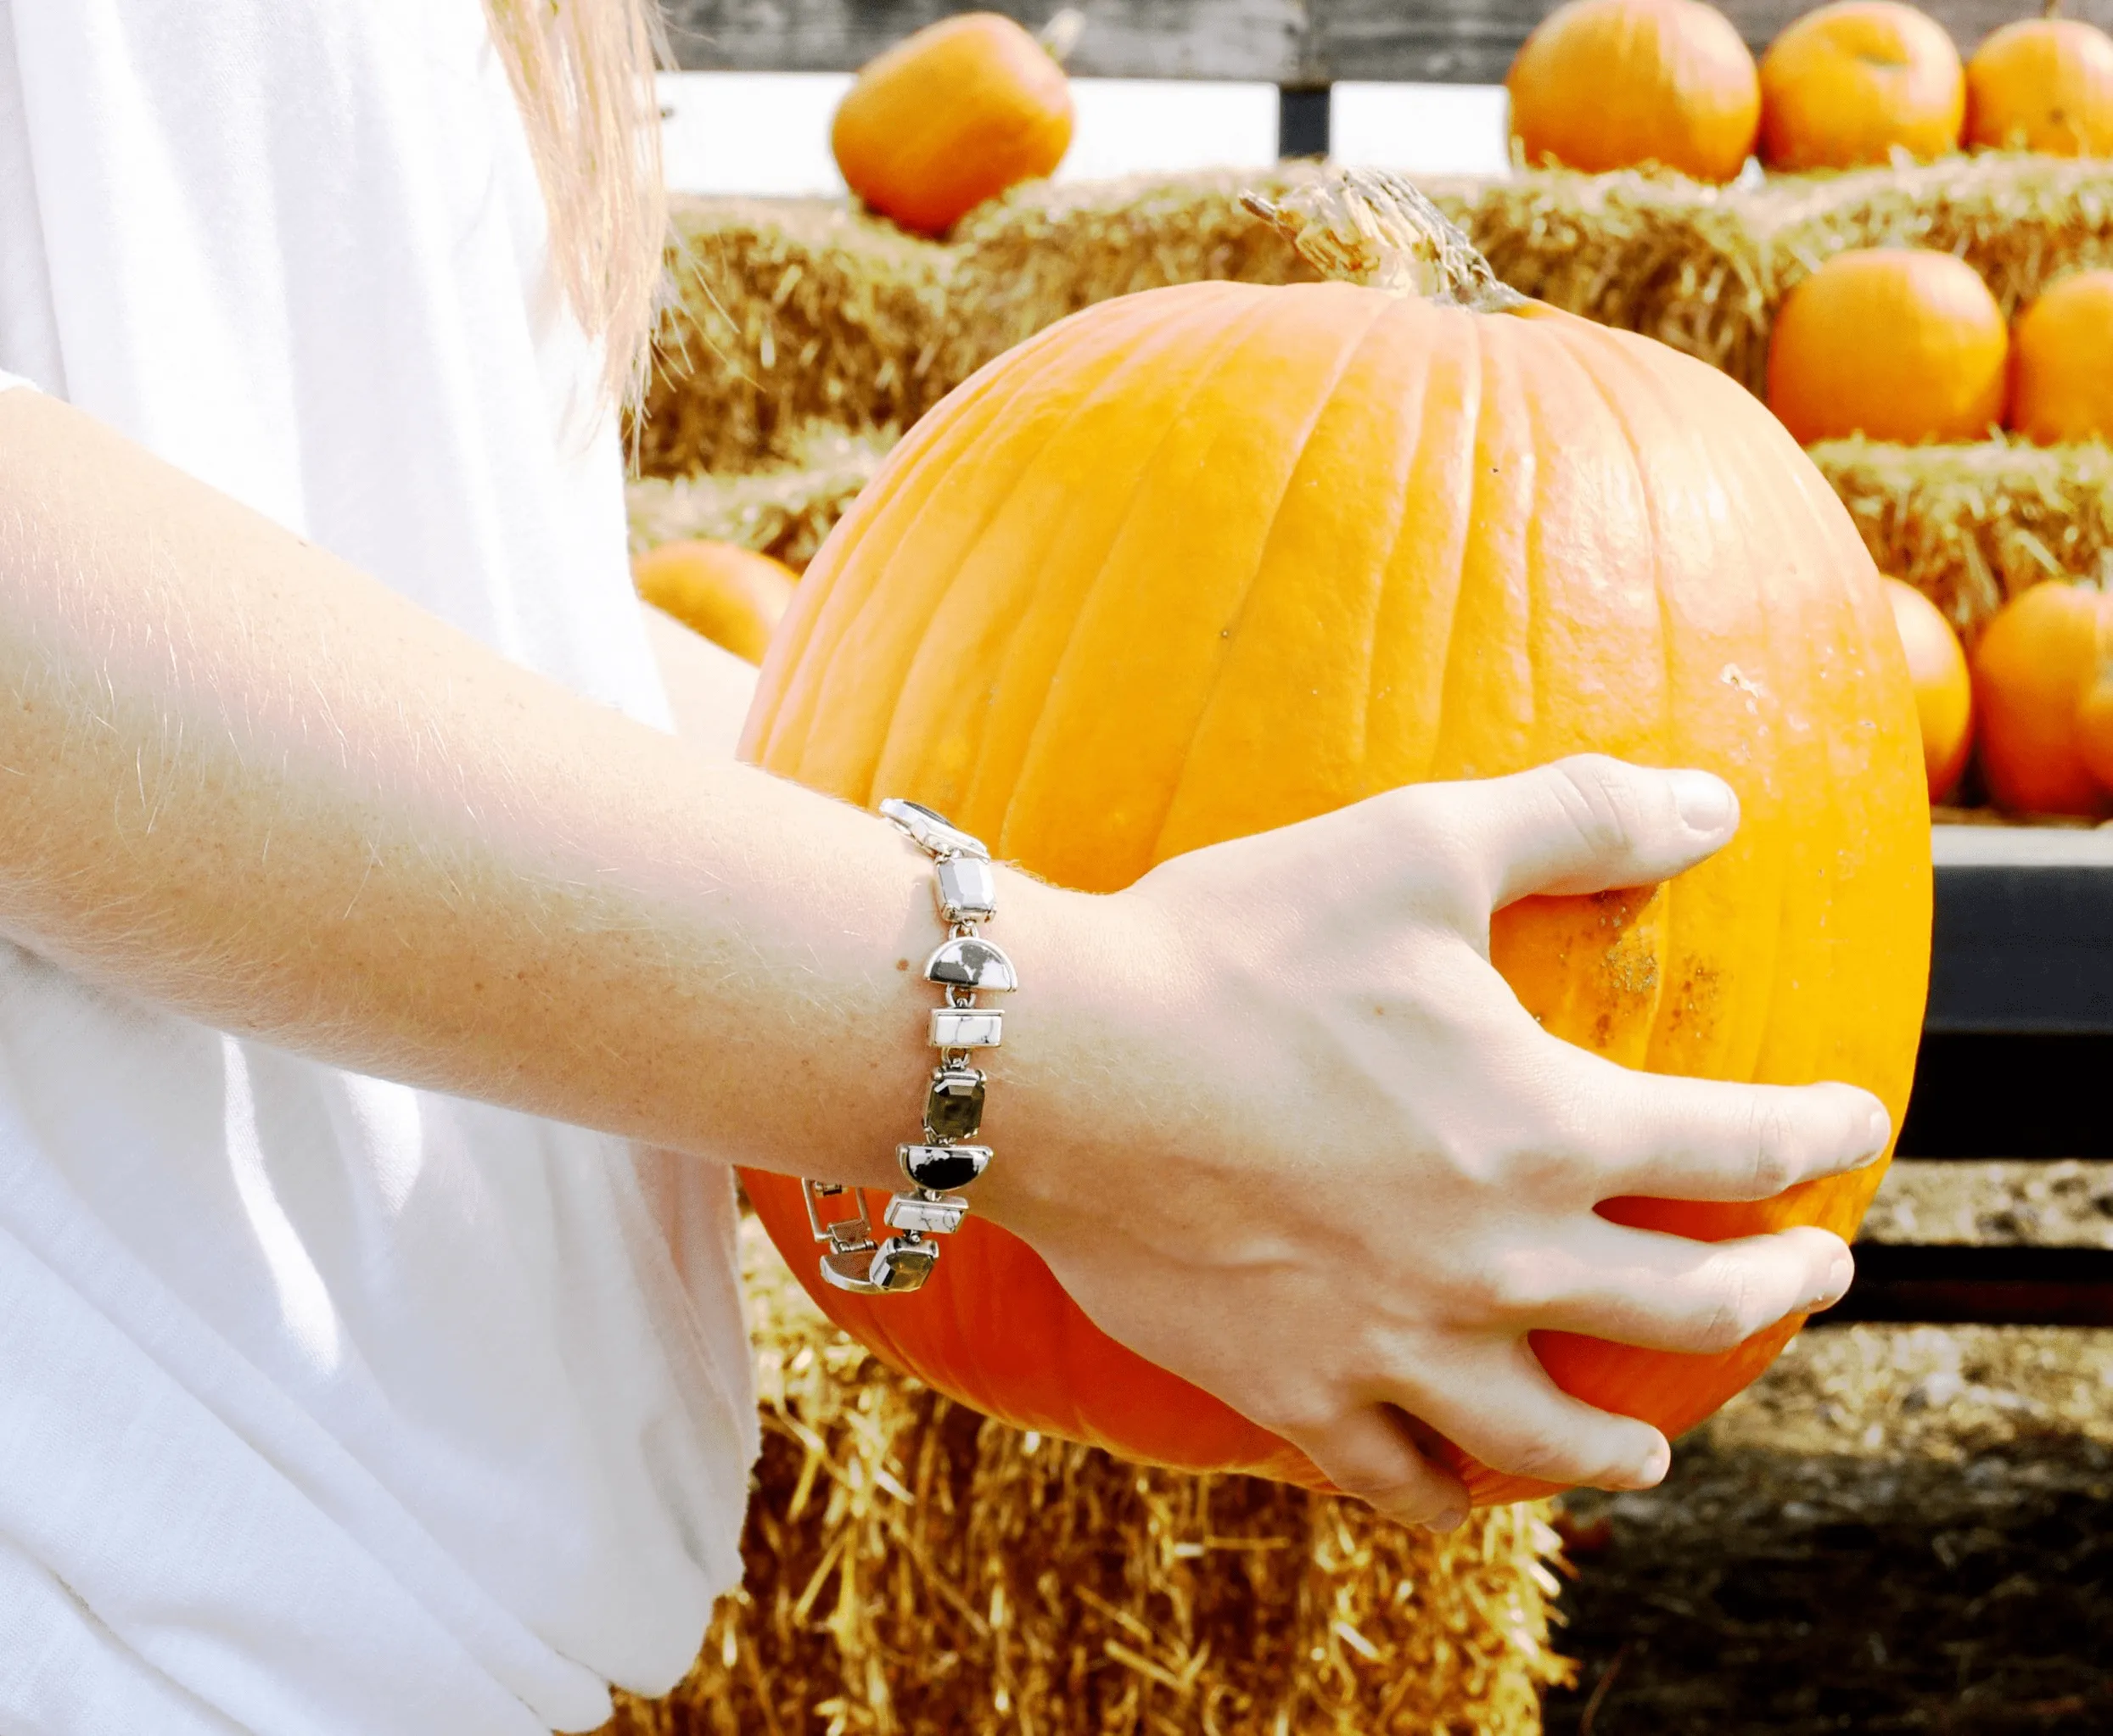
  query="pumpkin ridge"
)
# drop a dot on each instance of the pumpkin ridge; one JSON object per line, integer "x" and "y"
{"x": 1322, "y": 397}
{"x": 1137, "y": 342}
{"x": 791, "y": 702}
{"x": 1450, "y": 705}
{"x": 1413, "y": 445}
{"x": 1027, "y": 372}
{"x": 1236, "y": 332}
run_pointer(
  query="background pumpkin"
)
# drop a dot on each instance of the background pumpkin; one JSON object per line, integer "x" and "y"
{"x": 1944, "y": 690}
{"x": 1852, "y": 83}
{"x": 2061, "y": 362}
{"x": 2043, "y": 84}
{"x": 2095, "y": 728}
{"x": 949, "y": 117}
{"x": 1895, "y": 342}
{"x": 1218, "y": 557}
{"x": 1612, "y": 84}
{"x": 2034, "y": 666}
{"x": 733, "y": 596}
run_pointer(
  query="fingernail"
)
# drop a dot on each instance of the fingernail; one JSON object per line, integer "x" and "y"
{"x": 1450, "y": 1520}
{"x": 1840, "y": 1275}
{"x": 1656, "y": 1463}
{"x": 1706, "y": 804}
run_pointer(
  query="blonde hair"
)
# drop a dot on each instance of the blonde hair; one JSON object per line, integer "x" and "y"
{"x": 583, "y": 73}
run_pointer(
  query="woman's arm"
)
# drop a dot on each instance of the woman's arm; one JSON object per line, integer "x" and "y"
{"x": 708, "y": 688}
{"x": 1270, "y": 1115}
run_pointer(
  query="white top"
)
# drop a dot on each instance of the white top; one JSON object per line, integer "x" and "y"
{"x": 327, "y": 1405}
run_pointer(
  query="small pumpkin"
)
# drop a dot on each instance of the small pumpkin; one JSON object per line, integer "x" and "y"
{"x": 1944, "y": 690}
{"x": 1210, "y": 559}
{"x": 2043, "y": 84}
{"x": 2035, "y": 665}
{"x": 2095, "y": 730}
{"x": 1894, "y": 343}
{"x": 949, "y": 117}
{"x": 1854, "y": 82}
{"x": 733, "y": 596}
{"x": 2061, "y": 377}
{"x": 1616, "y": 84}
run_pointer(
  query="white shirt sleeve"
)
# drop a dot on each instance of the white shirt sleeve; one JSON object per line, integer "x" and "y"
{"x": 10, "y": 379}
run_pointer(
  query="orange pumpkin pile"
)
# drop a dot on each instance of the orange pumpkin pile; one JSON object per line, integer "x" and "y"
{"x": 1855, "y": 81}
{"x": 1944, "y": 693}
{"x": 1608, "y": 84}
{"x": 2040, "y": 670}
{"x": 1621, "y": 84}
{"x": 2061, "y": 381}
{"x": 2043, "y": 84}
{"x": 1222, "y": 557}
{"x": 733, "y": 596}
{"x": 1894, "y": 343}
{"x": 950, "y": 117}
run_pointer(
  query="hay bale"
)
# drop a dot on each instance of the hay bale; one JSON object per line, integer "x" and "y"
{"x": 1972, "y": 526}
{"x": 787, "y": 311}
{"x": 785, "y": 511}
{"x": 1704, "y": 268}
{"x": 1048, "y": 248}
{"x": 914, "y": 1568}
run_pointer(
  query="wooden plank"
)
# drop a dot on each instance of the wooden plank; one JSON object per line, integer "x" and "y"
{"x": 1296, "y": 42}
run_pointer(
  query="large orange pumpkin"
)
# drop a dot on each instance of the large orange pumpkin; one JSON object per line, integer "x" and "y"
{"x": 2043, "y": 84}
{"x": 1944, "y": 691}
{"x": 2035, "y": 665}
{"x": 1613, "y": 84}
{"x": 1851, "y": 84}
{"x": 950, "y": 117}
{"x": 1215, "y": 558}
{"x": 1897, "y": 343}
{"x": 2061, "y": 362}
{"x": 733, "y": 596}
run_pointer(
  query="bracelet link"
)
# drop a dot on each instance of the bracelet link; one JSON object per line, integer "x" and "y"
{"x": 965, "y": 894}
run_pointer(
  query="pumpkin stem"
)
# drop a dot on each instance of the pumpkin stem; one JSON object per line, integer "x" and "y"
{"x": 1060, "y": 35}
{"x": 1370, "y": 225}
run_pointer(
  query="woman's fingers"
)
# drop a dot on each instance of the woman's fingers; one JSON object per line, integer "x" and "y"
{"x": 1586, "y": 824}
{"x": 1682, "y": 1138}
{"x": 1665, "y": 1292}
{"x": 1368, "y": 1454}
{"x": 1520, "y": 1423}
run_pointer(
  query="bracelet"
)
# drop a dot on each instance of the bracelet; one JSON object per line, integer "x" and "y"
{"x": 946, "y": 1159}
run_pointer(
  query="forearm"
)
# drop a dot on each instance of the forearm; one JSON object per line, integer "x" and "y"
{"x": 245, "y": 781}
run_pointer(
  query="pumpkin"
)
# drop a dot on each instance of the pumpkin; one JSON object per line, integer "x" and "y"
{"x": 1944, "y": 691}
{"x": 1214, "y": 558}
{"x": 949, "y": 117}
{"x": 1894, "y": 342}
{"x": 2035, "y": 665}
{"x": 1614, "y": 84}
{"x": 2043, "y": 84}
{"x": 2062, "y": 370}
{"x": 2094, "y": 729}
{"x": 1854, "y": 82}
{"x": 733, "y": 596}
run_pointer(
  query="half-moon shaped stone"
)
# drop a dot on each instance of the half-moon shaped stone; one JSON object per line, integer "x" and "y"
{"x": 968, "y": 962}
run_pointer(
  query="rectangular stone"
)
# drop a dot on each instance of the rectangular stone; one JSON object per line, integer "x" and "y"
{"x": 965, "y": 889}
{"x": 967, "y": 1028}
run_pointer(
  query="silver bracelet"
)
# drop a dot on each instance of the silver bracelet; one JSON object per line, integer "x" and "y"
{"x": 946, "y": 1159}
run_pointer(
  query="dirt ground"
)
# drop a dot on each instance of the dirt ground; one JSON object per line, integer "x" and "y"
{"x": 1899, "y": 1528}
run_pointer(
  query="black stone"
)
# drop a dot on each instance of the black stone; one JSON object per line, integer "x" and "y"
{"x": 942, "y": 1169}
{"x": 954, "y": 1108}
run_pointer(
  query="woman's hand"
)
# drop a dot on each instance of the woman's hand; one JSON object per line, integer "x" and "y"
{"x": 1339, "y": 1174}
